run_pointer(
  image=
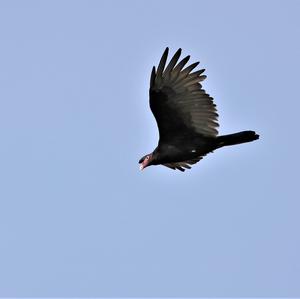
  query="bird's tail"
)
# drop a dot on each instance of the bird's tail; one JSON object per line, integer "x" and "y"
{"x": 237, "y": 138}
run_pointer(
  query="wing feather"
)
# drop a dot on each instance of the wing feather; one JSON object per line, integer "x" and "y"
{"x": 162, "y": 63}
{"x": 182, "y": 166}
{"x": 180, "y": 65}
{"x": 152, "y": 78}
{"x": 172, "y": 63}
{"x": 189, "y": 68}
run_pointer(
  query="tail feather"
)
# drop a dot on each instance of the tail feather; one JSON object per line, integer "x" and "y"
{"x": 237, "y": 138}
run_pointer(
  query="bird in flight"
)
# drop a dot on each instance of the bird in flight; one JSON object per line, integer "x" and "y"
{"x": 186, "y": 116}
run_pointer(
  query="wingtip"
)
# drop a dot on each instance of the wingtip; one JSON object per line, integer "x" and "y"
{"x": 178, "y": 53}
{"x": 152, "y": 77}
{"x": 162, "y": 62}
{"x": 179, "y": 50}
{"x": 165, "y": 53}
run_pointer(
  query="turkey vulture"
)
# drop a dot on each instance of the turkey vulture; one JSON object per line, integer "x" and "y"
{"x": 186, "y": 116}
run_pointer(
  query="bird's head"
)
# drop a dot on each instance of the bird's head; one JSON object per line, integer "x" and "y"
{"x": 146, "y": 161}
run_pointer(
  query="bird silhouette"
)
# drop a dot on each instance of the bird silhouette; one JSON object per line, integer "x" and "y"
{"x": 186, "y": 116}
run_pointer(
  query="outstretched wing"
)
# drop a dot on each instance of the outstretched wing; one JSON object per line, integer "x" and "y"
{"x": 179, "y": 104}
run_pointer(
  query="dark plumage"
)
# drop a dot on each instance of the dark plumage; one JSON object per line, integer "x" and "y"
{"x": 186, "y": 116}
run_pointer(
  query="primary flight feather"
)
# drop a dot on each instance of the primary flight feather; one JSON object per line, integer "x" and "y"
{"x": 186, "y": 116}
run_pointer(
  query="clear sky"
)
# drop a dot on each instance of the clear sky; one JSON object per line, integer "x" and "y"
{"x": 78, "y": 218}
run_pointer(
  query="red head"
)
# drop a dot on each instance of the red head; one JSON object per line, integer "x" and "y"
{"x": 145, "y": 161}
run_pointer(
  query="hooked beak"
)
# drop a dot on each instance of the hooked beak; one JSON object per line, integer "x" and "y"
{"x": 145, "y": 161}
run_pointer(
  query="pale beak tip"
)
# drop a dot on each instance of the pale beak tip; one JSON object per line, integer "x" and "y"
{"x": 141, "y": 167}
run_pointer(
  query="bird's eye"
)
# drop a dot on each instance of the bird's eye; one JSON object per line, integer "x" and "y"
{"x": 147, "y": 158}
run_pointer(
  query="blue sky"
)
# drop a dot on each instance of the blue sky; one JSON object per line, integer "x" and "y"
{"x": 78, "y": 218}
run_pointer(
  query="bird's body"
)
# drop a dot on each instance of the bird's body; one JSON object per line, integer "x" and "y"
{"x": 186, "y": 116}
